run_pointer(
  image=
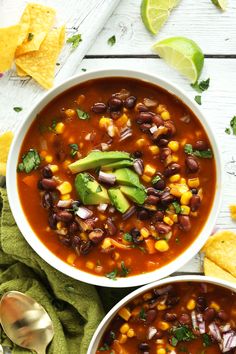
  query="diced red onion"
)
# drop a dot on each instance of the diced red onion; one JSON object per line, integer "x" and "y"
{"x": 225, "y": 328}
{"x": 153, "y": 129}
{"x": 185, "y": 119}
{"x": 64, "y": 203}
{"x": 111, "y": 131}
{"x": 84, "y": 213}
{"x": 104, "y": 146}
{"x": 111, "y": 209}
{"x": 194, "y": 320}
{"x": 126, "y": 133}
{"x": 215, "y": 331}
{"x": 138, "y": 166}
{"x": 88, "y": 137}
{"x": 229, "y": 341}
{"x": 129, "y": 213}
{"x": 201, "y": 323}
{"x": 102, "y": 207}
{"x": 151, "y": 332}
{"x": 164, "y": 290}
{"x": 128, "y": 123}
{"x": 106, "y": 177}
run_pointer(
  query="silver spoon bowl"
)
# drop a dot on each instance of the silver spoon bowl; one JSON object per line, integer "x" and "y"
{"x": 25, "y": 321}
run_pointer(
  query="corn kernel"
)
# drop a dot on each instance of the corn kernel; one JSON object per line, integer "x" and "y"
{"x": 120, "y": 122}
{"x": 59, "y": 225}
{"x": 48, "y": 158}
{"x": 54, "y": 168}
{"x": 147, "y": 296}
{"x": 178, "y": 190}
{"x": 66, "y": 163}
{"x": 161, "y": 351}
{"x": 90, "y": 265}
{"x": 122, "y": 338}
{"x": 102, "y": 217}
{"x": 124, "y": 313}
{"x": 154, "y": 233}
{"x": 130, "y": 333}
{"x": 146, "y": 178}
{"x": 70, "y": 112}
{"x": 104, "y": 122}
{"x": 168, "y": 160}
{"x": 71, "y": 258}
{"x": 194, "y": 214}
{"x": 141, "y": 142}
{"x": 149, "y": 170}
{"x": 168, "y": 220}
{"x": 185, "y": 198}
{"x": 215, "y": 306}
{"x": 124, "y": 328}
{"x": 174, "y": 178}
{"x": 106, "y": 243}
{"x": 161, "y": 307}
{"x": 175, "y": 158}
{"x": 43, "y": 153}
{"x": 60, "y": 127}
{"x": 116, "y": 256}
{"x": 165, "y": 115}
{"x": 161, "y": 246}
{"x": 81, "y": 145}
{"x": 154, "y": 149}
{"x": 65, "y": 187}
{"x": 163, "y": 325}
{"x": 193, "y": 182}
{"x": 174, "y": 217}
{"x": 185, "y": 210}
{"x": 144, "y": 232}
{"x": 161, "y": 108}
{"x": 232, "y": 209}
{"x": 174, "y": 145}
{"x": 183, "y": 181}
{"x": 65, "y": 197}
{"x": 191, "y": 304}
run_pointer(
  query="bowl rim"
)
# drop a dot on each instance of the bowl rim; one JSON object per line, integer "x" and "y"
{"x": 176, "y": 279}
{"x": 31, "y": 237}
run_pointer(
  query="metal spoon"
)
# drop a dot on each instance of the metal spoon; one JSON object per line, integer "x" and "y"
{"x": 25, "y": 321}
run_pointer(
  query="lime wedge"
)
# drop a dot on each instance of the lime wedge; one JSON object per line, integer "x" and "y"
{"x": 183, "y": 54}
{"x": 222, "y": 4}
{"x": 154, "y": 13}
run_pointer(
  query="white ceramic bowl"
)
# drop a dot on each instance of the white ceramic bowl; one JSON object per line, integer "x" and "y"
{"x": 111, "y": 314}
{"x": 35, "y": 242}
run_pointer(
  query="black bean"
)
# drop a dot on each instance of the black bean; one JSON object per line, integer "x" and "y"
{"x": 159, "y": 215}
{"x": 185, "y": 318}
{"x": 184, "y": 222}
{"x": 200, "y": 145}
{"x": 170, "y": 317}
{"x": 201, "y": 303}
{"x": 47, "y": 172}
{"x": 47, "y": 200}
{"x": 145, "y": 127}
{"x": 151, "y": 315}
{"x": 52, "y": 220}
{"x": 171, "y": 169}
{"x": 111, "y": 227}
{"x": 39, "y": 185}
{"x": 194, "y": 191}
{"x": 136, "y": 235}
{"x": 167, "y": 199}
{"x": 99, "y": 107}
{"x": 209, "y": 314}
{"x": 137, "y": 154}
{"x": 152, "y": 199}
{"x": 171, "y": 128}
{"x": 153, "y": 191}
{"x": 115, "y": 114}
{"x": 143, "y": 214}
{"x": 73, "y": 228}
{"x": 162, "y": 142}
{"x": 85, "y": 247}
{"x": 75, "y": 241}
{"x": 172, "y": 301}
{"x": 144, "y": 117}
{"x": 130, "y": 102}
{"x": 61, "y": 155}
{"x": 165, "y": 152}
{"x": 140, "y": 107}
{"x": 115, "y": 104}
{"x": 64, "y": 216}
{"x": 191, "y": 164}
{"x": 162, "y": 228}
{"x": 195, "y": 202}
{"x": 160, "y": 185}
{"x": 48, "y": 184}
{"x": 96, "y": 235}
{"x": 223, "y": 315}
{"x": 143, "y": 347}
{"x": 157, "y": 120}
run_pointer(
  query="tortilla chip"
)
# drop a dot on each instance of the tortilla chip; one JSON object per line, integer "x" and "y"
{"x": 41, "y": 21}
{"x": 8, "y": 44}
{"x": 62, "y": 37}
{"x": 40, "y": 64}
{"x": 20, "y": 72}
{"x": 221, "y": 249}
{"x": 24, "y": 25}
{"x": 5, "y": 143}
{"x": 211, "y": 269}
{"x": 232, "y": 209}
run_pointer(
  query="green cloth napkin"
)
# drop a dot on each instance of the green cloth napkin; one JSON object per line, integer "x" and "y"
{"x": 73, "y": 306}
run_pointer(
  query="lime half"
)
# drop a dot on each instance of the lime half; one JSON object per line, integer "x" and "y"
{"x": 182, "y": 54}
{"x": 154, "y": 13}
{"x": 222, "y": 4}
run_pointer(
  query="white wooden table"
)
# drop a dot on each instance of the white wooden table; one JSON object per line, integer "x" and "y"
{"x": 213, "y": 30}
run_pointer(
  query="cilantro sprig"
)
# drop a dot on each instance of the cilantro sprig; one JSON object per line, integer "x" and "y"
{"x": 181, "y": 334}
{"x": 201, "y": 86}
{"x": 204, "y": 154}
{"x": 82, "y": 115}
{"x": 30, "y": 161}
{"x": 111, "y": 41}
{"x": 232, "y": 127}
{"x": 74, "y": 40}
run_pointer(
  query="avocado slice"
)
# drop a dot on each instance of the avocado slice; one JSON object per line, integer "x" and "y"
{"x": 118, "y": 200}
{"x": 118, "y": 164}
{"x": 96, "y": 159}
{"x": 137, "y": 195}
{"x": 90, "y": 191}
{"x": 127, "y": 177}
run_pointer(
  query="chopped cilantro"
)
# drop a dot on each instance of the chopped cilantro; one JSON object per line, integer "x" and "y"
{"x": 142, "y": 314}
{"x": 177, "y": 207}
{"x": 124, "y": 270}
{"x": 30, "y": 36}
{"x": 233, "y": 125}
{"x": 83, "y": 69}
{"x": 206, "y": 340}
{"x": 177, "y": 240}
{"x": 112, "y": 275}
{"x": 205, "y": 154}
{"x": 104, "y": 347}
{"x": 30, "y": 161}
{"x": 227, "y": 131}
{"x": 75, "y": 40}
{"x": 57, "y": 64}
{"x": 74, "y": 149}
{"x": 112, "y": 40}
{"x": 180, "y": 334}
{"x": 81, "y": 114}
{"x": 53, "y": 125}
{"x": 188, "y": 149}
{"x": 139, "y": 248}
{"x": 156, "y": 179}
{"x": 198, "y": 99}
{"x": 127, "y": 237}
{"x": 201, "y": 86}
{"x": 17, "y": 109}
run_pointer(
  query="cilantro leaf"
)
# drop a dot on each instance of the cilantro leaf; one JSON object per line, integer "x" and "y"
{"x": 177, "y": 207}
{"x": 124, "y": 270}
{"x": 104, "y": 347}
{"x": 227, "y": 131}
{"x": 112, "y": 40}
{"x": 30, "y": 36}
{"x": 188, "y": 149}
{"x": 142, "y": 314}
{"x": 233, "y": 125}
{"x": 198, "y": 99}
{"x": 180, "y": 334}
{"x": 17, "y": 109}
{"x": 82, "y": 115}
{"x": 83, "y": 69}
{"x": 201, "y": 86}
{"x": 74, "y": 149}
{"x": 127, "y": 237}
{"x": 30, "y": 161}
{"x": 156, "y": 179}
{"x": 204, "y": 154}
{"x": 112, "y": 275}
{"x": 74, "y": 40}
{"x": 206, "y": 340}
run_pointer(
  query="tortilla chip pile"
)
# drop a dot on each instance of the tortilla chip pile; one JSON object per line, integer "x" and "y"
{"x": 5, "y": 143}
{"x": 220, "y": 256}
{"x": 33, "y": 44}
